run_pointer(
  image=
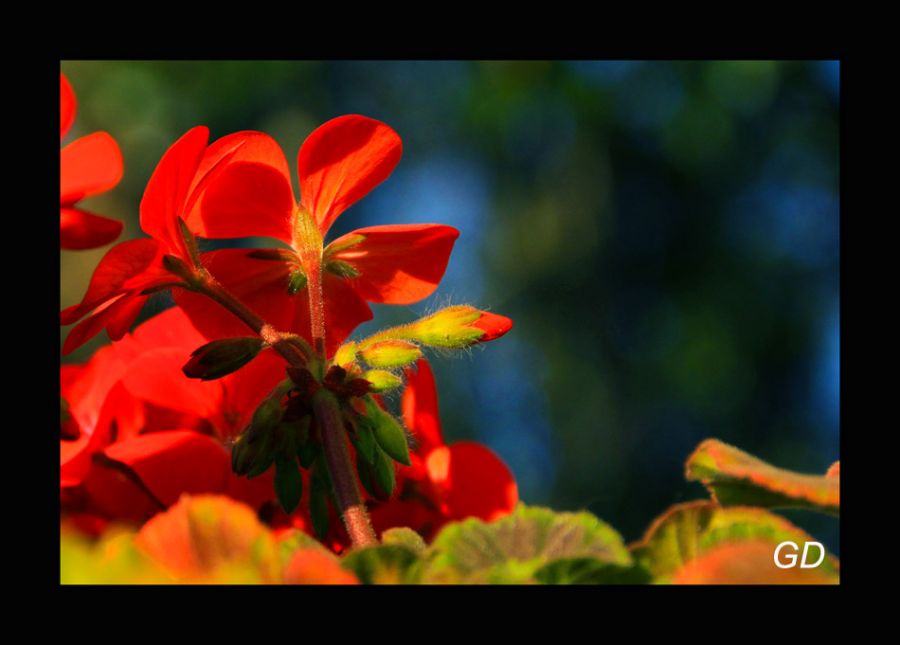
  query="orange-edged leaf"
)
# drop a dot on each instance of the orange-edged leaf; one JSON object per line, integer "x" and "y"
{"x": 689, "y": 531}
{"x": 734, "y": 477}
{"x": 210, "y": 538}
{"x": 746, "y": 563}
{"x": 316, "y": 567}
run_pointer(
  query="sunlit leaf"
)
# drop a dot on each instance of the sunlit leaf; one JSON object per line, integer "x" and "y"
{"x": 747, "y": 563}
{"x": 209, "y": 538}
{"x": 510, "y": 550}
{"x": 315, "y": 566}
{"x": 383, "y": 564}
{"x": 404, "y": 536}
{"x": 590, "y": 571}
{"x": 689, "y": 531}
{"x": 114, "y": 559}
{"x": 734, "y": 477}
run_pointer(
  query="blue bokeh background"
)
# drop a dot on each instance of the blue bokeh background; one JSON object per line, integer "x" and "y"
{"x": 665, "y": 236}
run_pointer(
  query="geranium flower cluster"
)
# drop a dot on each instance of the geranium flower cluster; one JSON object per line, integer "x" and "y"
{"x": 249, "y": 386}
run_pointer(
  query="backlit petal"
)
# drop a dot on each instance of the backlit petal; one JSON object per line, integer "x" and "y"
{"x": 398, "y": 264}
{"x": 67, "y": 105}
{"x": 341, "y": 161}
{"x": 88, "y": 166}
{"x": 251, "y": 197}
{"x": 79, "y": 229}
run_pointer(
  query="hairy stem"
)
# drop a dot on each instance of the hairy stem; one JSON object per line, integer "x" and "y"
{"x": 346, "y": 489}
{"x": 292, "y": 352}
{"x": 351, "y": 506}
{"x": 316, "y": 305}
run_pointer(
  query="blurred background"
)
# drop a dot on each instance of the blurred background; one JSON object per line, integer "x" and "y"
{"x": 665, "y": 236}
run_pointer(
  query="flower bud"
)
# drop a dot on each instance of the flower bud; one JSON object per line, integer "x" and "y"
{"x": 382, "y": 380}
{"x": 459, "y": 326}
{"x": 221, "y": 357}
{"x": 391, "y": 353}
{"x": 389, "y": 434}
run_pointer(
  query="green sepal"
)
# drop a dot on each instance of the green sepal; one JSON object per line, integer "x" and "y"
{"x": 319, "y": 493}
{"x": 341, "y": 269}
{"x": 283, "y": 255}
{"x": 190, "y": 242}
{"x": 389, "y": 434}
{"x": 385, "y": 476}
{"x": 296, "y": 282}
{"x": 288, "y": 483}
{"x": 364, "y": 441}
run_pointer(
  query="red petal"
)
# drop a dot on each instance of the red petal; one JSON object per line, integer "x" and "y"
{"x": 414, "y": 515}
{"x": 88, "y": 166}
{"x": 259, "y": 284}
{"x": 167, "y": 191}
{"x": 399, "y": 264}
{"x": 174, "y": 462}
{"x": 82, "y": 230}
{"x": 124, "y": 267}
{"x": 117, "y": 317}
{"x": 493, "y": 325}
{"x": 66, "y": 105}
{"x": 156, "y": 377}
{"x": 420, "y": 407}
{"x": 341, "y": 161}
{"x": 344, "y": 311}
{"x": 252, "y": 196}
{"x": 245, "y": 390}
{"x": 170, "y": 328}
{"x": 262, "y": 286}
{"x": 117, "y": 414}
{"x": 475, "y": 482}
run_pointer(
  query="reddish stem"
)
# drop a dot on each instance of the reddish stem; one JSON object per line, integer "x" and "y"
{"x": 316, "y": 305}
{"x": 334, "y": 439}
{"x": 334, "y": 443}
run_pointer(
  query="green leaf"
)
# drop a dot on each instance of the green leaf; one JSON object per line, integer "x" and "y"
{"x": 590, "y": 571}
{"x": 404, "y": 536}
{"x": 288, "y": 483}
{"x": 734, "y": 477}
{"x": 688, "y": 531}
{"x": 512, "y": 549}
{"x": 388, "y": 432}
{"x": 383, "y": 564}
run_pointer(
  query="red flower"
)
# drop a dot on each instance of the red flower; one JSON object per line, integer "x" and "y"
{"x": 118, "y": 288}
{"x": 89, "y": 166}
{"x": 443, "y": 483}
{"x": 338, "y": 164}
{"x": 148, "y": 433}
